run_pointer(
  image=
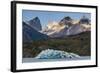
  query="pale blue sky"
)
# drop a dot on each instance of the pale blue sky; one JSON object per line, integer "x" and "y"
{"x": 47, "y": 16}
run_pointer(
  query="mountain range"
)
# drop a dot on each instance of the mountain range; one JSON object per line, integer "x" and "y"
{"x": 32, "y": 29}
{"x": 66, "y": 27}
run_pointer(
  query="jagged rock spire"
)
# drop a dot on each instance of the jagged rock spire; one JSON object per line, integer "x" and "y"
{"x": 66, "y": 21}
{"x": 84, "y": 20}
{"x": 35, "y": 23}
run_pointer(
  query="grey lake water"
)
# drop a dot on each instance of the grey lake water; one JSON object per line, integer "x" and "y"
{"x": 30, "y": 60}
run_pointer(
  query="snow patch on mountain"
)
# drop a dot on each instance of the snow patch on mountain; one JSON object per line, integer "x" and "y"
{"x": 75, "y": 29}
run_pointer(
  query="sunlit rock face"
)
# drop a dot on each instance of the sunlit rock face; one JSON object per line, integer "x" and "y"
{"x": 54, "y": 29}
{"x": 56, "y": 54}
{"x": 55, "y": 26}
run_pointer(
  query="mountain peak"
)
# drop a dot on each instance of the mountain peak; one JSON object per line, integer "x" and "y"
{"x": 68, "y": 18}
{"x": 35, "y": 23}
{"x": 36, "y": 18}
{"x": 66, "y": 21}
{"x": 84, "y": 20}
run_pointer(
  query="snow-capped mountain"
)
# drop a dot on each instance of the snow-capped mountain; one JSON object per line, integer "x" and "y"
{"x": 67, "y": 26}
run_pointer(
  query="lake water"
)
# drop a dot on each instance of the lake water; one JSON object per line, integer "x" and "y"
{"x": 30, "y": 60}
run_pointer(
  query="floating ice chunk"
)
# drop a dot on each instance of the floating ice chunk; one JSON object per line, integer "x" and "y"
{"x": 56, "y": 54}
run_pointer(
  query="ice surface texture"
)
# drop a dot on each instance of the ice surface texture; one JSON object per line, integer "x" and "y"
{"x": 56, "y": 54}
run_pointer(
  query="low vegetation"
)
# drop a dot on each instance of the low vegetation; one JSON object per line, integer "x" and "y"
{"x": 78, "y": 44}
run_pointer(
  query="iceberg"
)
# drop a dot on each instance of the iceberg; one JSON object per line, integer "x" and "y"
{"x": 56, "y": 54}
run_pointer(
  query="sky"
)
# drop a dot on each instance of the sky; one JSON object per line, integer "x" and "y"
{"x": 50, "y": 16}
